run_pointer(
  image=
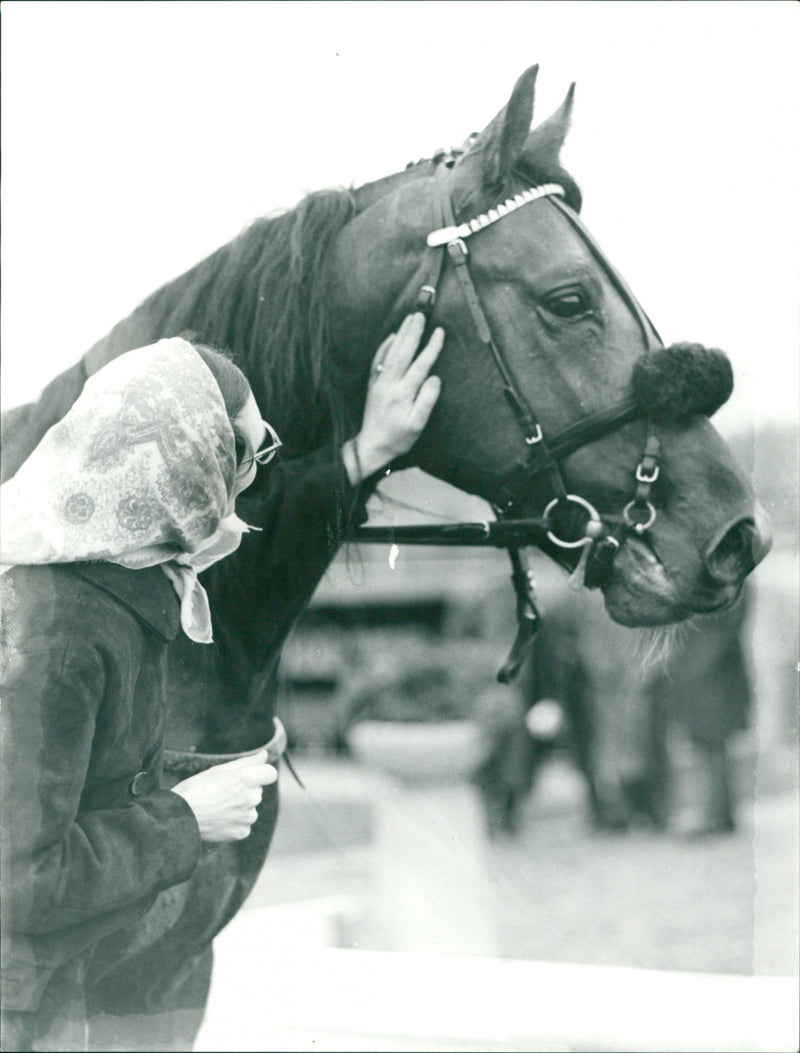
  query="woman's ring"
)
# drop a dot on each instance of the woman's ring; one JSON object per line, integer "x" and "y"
{"x": 379, "y": 367}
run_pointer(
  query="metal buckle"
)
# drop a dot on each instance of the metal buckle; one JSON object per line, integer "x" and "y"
{"x": 631, "y": 522}
{"x": 643, "y": 477}
{"x": 426, "y": 298}
{"x": 442, "y": 236}
{"x": 594, "y": 517}
{"x": 531, "y": 440}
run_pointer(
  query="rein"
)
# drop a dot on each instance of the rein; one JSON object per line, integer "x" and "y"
{"x": 600, "y": 538}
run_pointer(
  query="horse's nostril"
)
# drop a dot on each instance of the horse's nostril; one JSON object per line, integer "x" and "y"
{"x": 737, "y": 552}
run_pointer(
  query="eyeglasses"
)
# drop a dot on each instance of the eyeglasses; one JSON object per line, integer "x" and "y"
{"x": 266, "y": 453}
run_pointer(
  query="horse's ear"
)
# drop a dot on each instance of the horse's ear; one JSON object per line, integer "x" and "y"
{"x": 543, "y": 144}
{"x": 500, "y": 143}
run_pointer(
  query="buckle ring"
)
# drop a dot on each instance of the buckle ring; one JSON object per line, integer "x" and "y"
{"x": 594, "y": 516}
{"x": 631, "y": 522}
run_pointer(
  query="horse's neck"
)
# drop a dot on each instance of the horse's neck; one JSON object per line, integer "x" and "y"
{"x": 24, "y": 426}
{"x": 224, "y": 696}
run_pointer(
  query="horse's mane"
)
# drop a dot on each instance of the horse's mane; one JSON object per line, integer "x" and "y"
{"x": 263, "y": 298}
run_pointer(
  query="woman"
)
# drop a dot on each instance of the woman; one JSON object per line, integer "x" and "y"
{"x": 105, "y": 529}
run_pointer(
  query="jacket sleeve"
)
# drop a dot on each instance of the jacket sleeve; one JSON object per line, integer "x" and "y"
{"x": 63, "y": 867}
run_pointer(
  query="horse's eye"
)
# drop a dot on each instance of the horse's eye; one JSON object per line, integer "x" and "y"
{"x": 571, "y": 304}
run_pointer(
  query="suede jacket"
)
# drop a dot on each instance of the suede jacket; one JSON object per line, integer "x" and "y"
{"x": 88, "y": 838}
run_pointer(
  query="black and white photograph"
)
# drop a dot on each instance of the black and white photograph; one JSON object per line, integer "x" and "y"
{"x": 399, "y": 511}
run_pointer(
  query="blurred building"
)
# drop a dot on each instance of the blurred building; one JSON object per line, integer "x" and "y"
{"x": 381, "y": 612}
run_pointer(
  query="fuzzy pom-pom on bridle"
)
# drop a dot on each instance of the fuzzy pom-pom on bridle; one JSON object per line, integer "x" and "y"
{"x": 680, "y": 380}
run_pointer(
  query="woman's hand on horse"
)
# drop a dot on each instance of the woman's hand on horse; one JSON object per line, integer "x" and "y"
{"x": 400, "y": 398}
{"x": 224, "y": 799}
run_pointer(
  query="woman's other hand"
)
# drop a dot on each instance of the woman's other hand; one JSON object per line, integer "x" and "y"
{"x": 224, "y": 798}
{"x": 400, "y": 398}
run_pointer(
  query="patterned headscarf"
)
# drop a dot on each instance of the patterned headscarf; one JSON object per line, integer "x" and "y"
{"x": 139, "y": 472}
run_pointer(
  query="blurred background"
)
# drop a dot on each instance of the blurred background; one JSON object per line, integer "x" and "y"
{"x": 608, "y": 855}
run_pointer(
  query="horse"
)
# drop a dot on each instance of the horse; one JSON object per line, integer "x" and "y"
{"x": 487, "y": 240}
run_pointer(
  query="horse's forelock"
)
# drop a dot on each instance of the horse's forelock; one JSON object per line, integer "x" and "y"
{"x": 472, "y": 196}
{"x": 538, "y": 175}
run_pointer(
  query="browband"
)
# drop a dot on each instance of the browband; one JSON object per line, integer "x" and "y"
{"x": 444, "y": 235}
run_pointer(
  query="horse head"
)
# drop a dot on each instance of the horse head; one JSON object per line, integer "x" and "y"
{"x": 558, "y": 396}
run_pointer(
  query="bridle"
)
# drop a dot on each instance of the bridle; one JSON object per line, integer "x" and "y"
{"x": 599, "y": 536}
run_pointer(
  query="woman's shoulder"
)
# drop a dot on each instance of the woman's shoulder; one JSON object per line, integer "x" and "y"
{"x": 30, "y": 591}
{"x": 86, "y": 604}
{"x": 146, "y": 594}
{"x": 43, "y": 611}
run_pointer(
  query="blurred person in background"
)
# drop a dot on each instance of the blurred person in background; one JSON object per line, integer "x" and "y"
{"x": 652, "y": 738}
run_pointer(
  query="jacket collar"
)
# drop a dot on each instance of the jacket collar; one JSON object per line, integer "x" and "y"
{"x": 147, "y": 593}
